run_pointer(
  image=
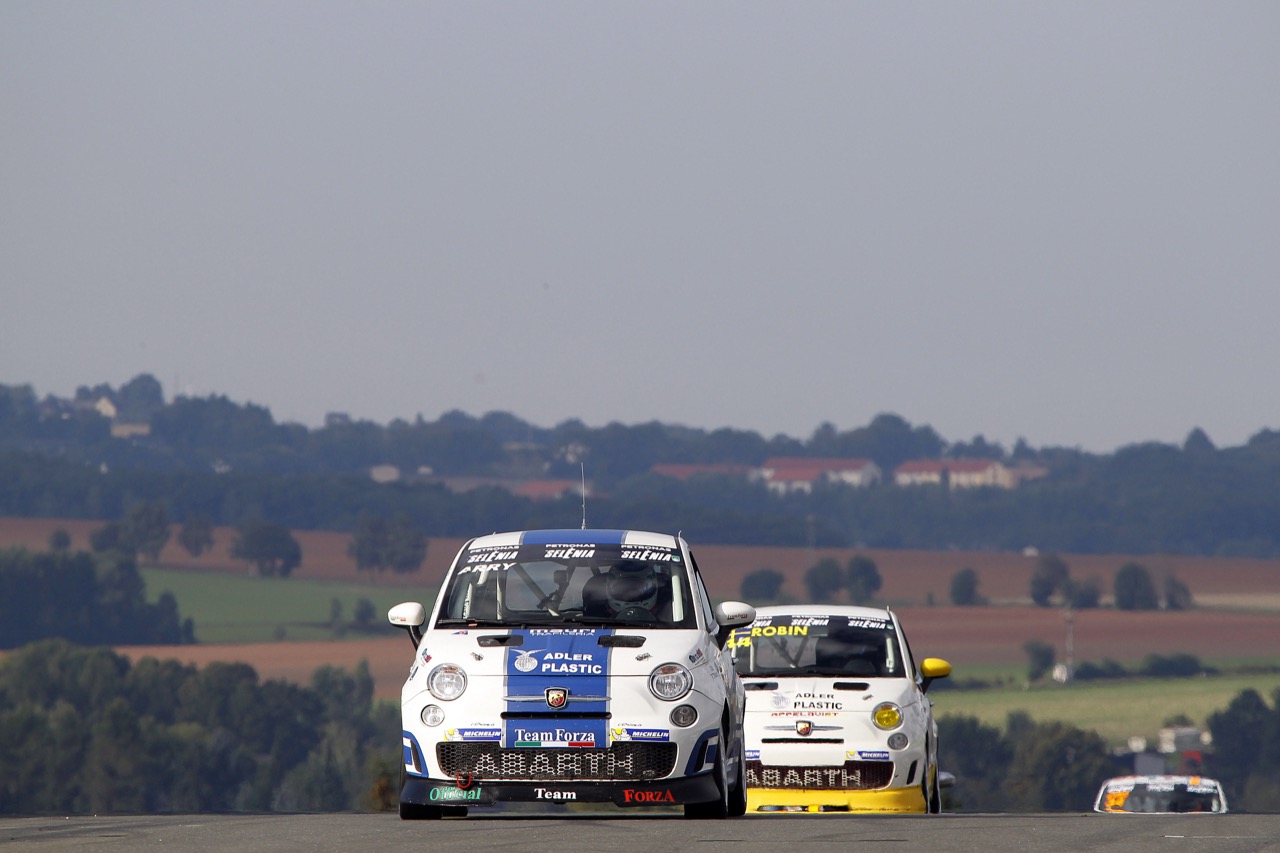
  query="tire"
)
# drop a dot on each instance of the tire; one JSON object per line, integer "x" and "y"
{"x": 935, "y": 796}
{"x": 717, "y": 809}
{"x": 738, "y": 793}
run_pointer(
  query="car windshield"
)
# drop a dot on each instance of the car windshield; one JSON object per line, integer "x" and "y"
{"x": 793, "y": 644}
{"x": 1164, "y": 796}
{"x": 570, "y": 584}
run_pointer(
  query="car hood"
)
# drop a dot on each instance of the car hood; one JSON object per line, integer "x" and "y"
{"x": 561, "y": 653}
{"x": 822, "y": 696}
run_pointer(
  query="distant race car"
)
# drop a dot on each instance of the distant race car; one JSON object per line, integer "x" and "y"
{"x": 837, "y": 717}
{"x": 1161, "y": 794}
{"x": 573, "y": 666}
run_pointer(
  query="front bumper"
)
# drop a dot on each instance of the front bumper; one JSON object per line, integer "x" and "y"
{"x": 663, "y": 792}
{"x": 884, "y": 801}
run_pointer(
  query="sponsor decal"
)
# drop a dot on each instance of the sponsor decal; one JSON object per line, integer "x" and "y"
{"x": 413, "y": 670}
{"x": 816, "y": 702}
{"x": 650, "y": 555}
{"x": 569, "y": 552}
{"x": 780, "y": 631}
{"x": 779, "y": 701}
{"x": 697, "y": 656}
{"x": 553, "y": 737}
{"x": 426, "y": 656}
{"x": 804, "y": 728}
{"x": 631, "y": 795}
{"x": 563, "y": 671}
{"x": 492, "y": 555}
{"x": 814, "y": 714}
{"x": 440, "y": 794}
{"x": 870, "y": 755}
{"x": 462, "y": 734}
{"x": 486, "y": 567}
{"x": 557, "y": 632}
{"x": 632, "y": 733}
{"x": 548, "y": 794}
{"x": 753, "y": 755}
{"x": 541, "y": 764}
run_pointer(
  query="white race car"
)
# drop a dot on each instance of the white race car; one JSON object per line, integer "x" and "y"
{"x": 837, "y": 717}
{"x": 563, "y": 666}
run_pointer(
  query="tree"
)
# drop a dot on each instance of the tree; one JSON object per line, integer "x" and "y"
{"x": 60, "y": 540}
{"x": 1048, "y": 578}
{"x": 1056, "y": 767}
{"x": 762, "y": 585}
{"x": 378, "y": 544}
{"x": 196, "y": 535}
{"x": 1083, "y": 595}
{"x": 862, "y": 579}
{"x": 269, "y": 547}
{"x": 145, "y": 529}
{"x": 140, "y": 398}
{"x": 1134, "y": 589}
{"x": 964, "y": 588}
{"x": 1177, "y": 595}
{"x": 823, "y": 579}
{"x": 1040, "y": 658}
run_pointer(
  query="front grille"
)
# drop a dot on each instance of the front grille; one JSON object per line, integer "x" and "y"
{"x": 850, "y": 776}
{"x": 620, "y": 762}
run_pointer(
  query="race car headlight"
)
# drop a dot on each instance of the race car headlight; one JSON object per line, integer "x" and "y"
{"x": 432, "y": 715}
{"x": 447, "y": 682}
{"x": 670, "y": 681}
{"x": 887, "y": 715}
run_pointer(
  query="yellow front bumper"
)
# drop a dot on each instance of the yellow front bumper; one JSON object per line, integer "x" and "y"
{"x": 792, "y": 801}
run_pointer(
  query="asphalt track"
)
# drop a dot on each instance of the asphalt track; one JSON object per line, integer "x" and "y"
{"x": 597, "y": 833}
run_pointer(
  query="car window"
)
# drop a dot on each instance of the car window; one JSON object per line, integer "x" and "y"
{"x": 570, "y": 584}
{"x": 794, "y": 644}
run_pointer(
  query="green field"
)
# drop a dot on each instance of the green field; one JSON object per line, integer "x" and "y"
{"x": 1116, "y": 709}
{"x": 251, "y": 609}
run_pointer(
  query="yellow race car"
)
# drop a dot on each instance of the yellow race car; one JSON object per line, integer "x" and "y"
{"x": 837, "y": 719}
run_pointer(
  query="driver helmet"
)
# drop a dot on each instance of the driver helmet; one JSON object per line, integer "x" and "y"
{"x": 631, "y": 583}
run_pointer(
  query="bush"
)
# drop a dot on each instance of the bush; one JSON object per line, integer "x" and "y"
{"x": 1134, "y": 589}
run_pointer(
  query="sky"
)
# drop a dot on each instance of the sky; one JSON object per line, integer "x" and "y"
{"x": 1054, "y": 221}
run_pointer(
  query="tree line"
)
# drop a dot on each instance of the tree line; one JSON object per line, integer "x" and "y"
{"x": 84, "y": 731}
{"x": 98, "y": 598}
{"x": 232, "y": 463}
{"x": 1052, "y": 766}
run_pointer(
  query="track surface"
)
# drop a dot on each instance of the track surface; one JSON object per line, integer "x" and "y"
{"x": 600, "y": 833}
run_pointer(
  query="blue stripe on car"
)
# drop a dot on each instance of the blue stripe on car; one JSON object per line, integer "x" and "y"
{"x": 550, "y": 658}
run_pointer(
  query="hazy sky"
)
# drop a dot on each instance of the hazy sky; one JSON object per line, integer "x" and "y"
{"x": 1051, "y": 220}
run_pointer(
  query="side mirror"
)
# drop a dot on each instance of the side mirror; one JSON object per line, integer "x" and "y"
{"x": 409, "y": 615}
{"x": 731, "y": 615}
{"x": 931, "y": 668}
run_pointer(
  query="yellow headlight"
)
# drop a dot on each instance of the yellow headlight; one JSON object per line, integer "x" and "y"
{"x": 887, "y": 715}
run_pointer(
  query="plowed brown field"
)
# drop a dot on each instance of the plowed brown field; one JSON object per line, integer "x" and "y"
{"x": 1238, "y": 613}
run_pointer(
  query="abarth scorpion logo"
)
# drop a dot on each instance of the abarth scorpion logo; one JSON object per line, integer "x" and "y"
{"x": 557, "y": 697}
{"x": 804, "y": 728}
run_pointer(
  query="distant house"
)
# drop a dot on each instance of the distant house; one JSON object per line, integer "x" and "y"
{"x": 679, "y": 471}
{"x": 126, "y": 429}
{"x": 787, "y": 474}
{"x": 548, "y": 490}
{"x": 384, "y": 473}
{"x": 955, "y": 473}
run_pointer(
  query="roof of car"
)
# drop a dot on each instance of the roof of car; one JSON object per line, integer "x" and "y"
{"x": 822, "y": 610}
{"x": 573, "y": 536}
